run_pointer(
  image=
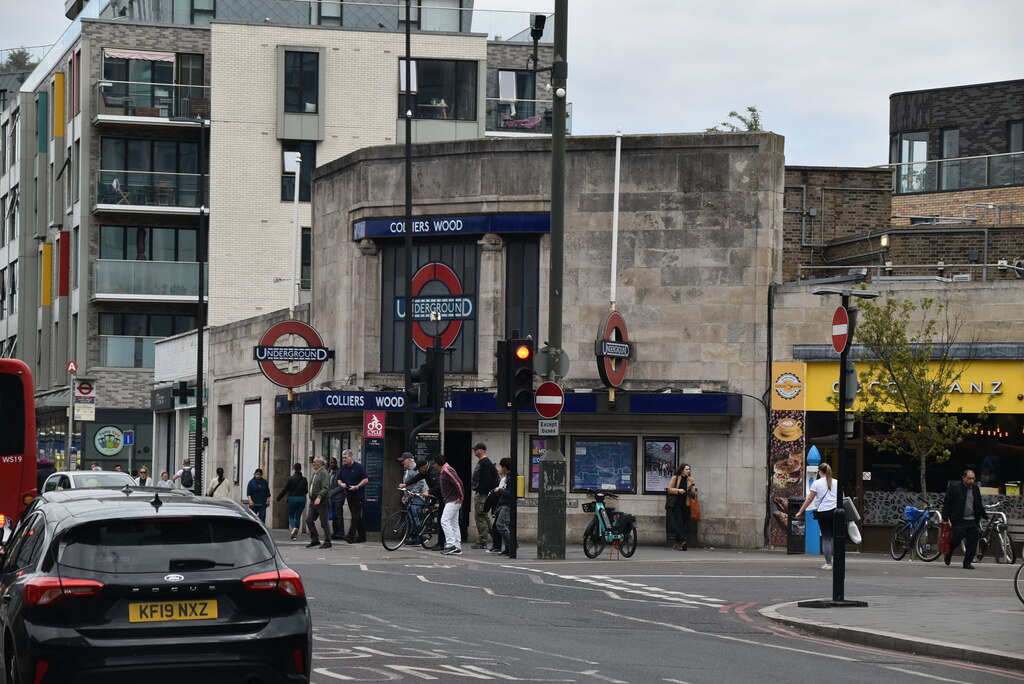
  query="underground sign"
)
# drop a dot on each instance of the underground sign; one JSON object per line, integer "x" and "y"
{"x": 612, "y": 349}
{"x": 314, "y": 355}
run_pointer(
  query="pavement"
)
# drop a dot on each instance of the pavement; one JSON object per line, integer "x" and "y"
{"x": 979, "y": 622}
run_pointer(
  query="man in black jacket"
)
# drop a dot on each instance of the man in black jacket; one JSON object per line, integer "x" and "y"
{"x": 963, "y": 509}
{"x": 484, "y": 480}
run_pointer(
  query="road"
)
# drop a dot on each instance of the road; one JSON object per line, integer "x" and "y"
{"x": 414, "y": 615}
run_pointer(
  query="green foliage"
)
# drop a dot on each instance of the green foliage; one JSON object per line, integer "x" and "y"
{"x": 751, "y": 122}
{"x": 18, "y": 59}
{"x": 905, "y": 374}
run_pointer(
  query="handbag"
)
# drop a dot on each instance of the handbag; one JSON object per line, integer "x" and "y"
{"x": 694, "y": 508}
{"x": 671, "y": 500}
{"x": 945, "y": 537}
{"x": 850, "y": 510}
{"x": 853, "y": 533}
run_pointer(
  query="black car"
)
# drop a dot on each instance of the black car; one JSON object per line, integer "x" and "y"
{"x": 137, "y": 585}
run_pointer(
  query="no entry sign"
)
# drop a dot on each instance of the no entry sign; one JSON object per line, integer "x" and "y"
{"x": 549, "y": 400}
{"x": 840, "y": 329}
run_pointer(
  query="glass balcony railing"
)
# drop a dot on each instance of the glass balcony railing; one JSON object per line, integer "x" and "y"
{"x": 127, "y": 352}
{"x": 963, "y": 173}
{"x": 162, "y": 100}
{"x": 113, "y": 278}
{"x": 531, "y": 117}
{"x": 148, "y": 188}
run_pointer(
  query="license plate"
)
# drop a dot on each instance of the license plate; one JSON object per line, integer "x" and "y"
{"x": 165, "y": 611}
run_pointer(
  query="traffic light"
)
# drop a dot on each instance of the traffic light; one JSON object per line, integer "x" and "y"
{"x": 419, "y": 390}
{"x": 428, "y": 380}
{"x": 520, "y": 372}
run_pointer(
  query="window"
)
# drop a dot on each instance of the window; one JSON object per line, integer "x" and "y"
{"x": 12, "y": 141}
{"x": 12, "y": 288}
{"x": 441, "y": 89}
{"x": 142, "y": 81}
{"x": 301, "y": 82}
{"x": 3, "y": 220}
{"x": 908, "y": 148}
{"x": 3, "y": 148}
{"x": 127, "y": 340}
{"x": 522, "y": 296}
{"x": 140, "y": 165}
{"x": 129, "y": 243}
{"x": 197, "y": 12}
{"x": 289, "y": 149}
{"x": 1015, "y": 136}
{"x": 306, "y": 276}
{"x": 434, "y": 15}
{"x": 950, "y": 171}
{"x": 329, "y": 12}
{"x": 516, "y": 94}
{"x": 3, "y": 293}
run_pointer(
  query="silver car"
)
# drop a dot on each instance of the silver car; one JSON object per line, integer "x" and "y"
{"x": 81, "y": 479}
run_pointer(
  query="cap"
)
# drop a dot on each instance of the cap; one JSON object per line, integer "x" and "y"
{"x": 420, "y": 462}
{"x": 480, "y": 445}
{"x": 405, "y": 455}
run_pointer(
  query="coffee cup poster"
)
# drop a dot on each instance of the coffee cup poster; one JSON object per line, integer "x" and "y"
{"x": 786, "y": 443}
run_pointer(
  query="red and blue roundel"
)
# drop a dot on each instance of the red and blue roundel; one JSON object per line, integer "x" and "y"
{"x": 436, "y": 289}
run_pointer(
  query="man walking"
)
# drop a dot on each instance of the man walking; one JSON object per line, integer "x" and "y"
{"x": 452, "y": 495}
{"x": 318, "y": 502}
{"x": 962, "y": 508}
{"x": 352, "y": 480}
{"x": 484, "y": 481}
{"x": 337, "y": 500}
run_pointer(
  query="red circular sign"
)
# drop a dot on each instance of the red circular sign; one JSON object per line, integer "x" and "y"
{"x": 434, "y": 273}
{"x": 613, "y": 349}
{"x": 303, "y": 331}
{"x": 549, "y": 400}
{"x": 840, "y": 329}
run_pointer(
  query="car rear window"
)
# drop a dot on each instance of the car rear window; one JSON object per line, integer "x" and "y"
{"x": 164, "y": 545}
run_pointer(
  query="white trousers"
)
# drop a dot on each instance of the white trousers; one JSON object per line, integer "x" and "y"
{"x": 450, "y": 525}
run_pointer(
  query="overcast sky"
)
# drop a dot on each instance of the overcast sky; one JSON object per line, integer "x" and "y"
{"x": 820, "y": 72}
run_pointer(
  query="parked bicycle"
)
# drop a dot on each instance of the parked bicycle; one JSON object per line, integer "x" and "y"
{"x": 608, "y": 527}
{"x": 996, "y": 526}
{"x": 919, "y": 530}
{"x": 1018, "y": 582}
{"x": 401, "y": 527}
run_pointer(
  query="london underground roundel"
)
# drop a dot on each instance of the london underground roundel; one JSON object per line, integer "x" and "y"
{"x": 314, "y": 355}
{"x": 436, "y": 289}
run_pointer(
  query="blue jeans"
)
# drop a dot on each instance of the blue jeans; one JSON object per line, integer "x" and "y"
{"x": 260, "y": 511}
{"x": 295, "y": 506}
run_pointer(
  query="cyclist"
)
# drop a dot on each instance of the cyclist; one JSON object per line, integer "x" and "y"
{"x": 417, "y": 489}
{"x": 430, "y": 475}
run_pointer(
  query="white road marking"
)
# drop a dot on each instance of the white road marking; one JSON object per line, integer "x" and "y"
{"x": 490, "y": 592}
{"x": 919, "y": 674}
{"x": 505, "y": 644}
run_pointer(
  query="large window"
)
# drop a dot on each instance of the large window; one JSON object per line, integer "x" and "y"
{"x": 440, "y": 89}
{"x": 196, "y": 12}
{"x": 306, "y": 277}
{"x": 522, "y": 273}
{"x": 289, "y": 148}
{"x": 127, "y": 339}
{"x": 132, "y": 243}
{"x": 328, "y": 12}
{"x": 301, "y": 82}
{"x": 909, "y": 148}
{"x": 432, "y": 15}
{"x": 950, "y": 149}
{"x": 145, "y": 167}
{"x": 1015, "y": 136}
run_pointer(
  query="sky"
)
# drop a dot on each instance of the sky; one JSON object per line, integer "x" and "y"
{"x": 820, "y": 72}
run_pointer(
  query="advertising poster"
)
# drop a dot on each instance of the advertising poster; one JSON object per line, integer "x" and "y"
{"x": 539, "y": 447}
{"x": 787, "y": 443}
{"x": 659, "y": 463}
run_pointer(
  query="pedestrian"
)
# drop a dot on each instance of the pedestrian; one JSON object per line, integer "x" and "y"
{"x": 823, "y": 495}
{"x": 165, "y": 481}
{"x": 963, "y": 509}
{"x": 94, "y": 466}
{"x": 295, "y": 489}
{"x": 452, "y": 494}
{"x": 428, "y": 472}
{"x": 337, "y": 500}
{"x": 503, "y": 507}
{"x": 258, "y": 494}
{"x": 352, "y": 481}
{"x": 220, "y": 487}
{"x": 483, "y": 481}
{"x": 185, "y": 478}
{"x": 681, "y": 486}
{"x": 117, "y": 468}
{"x": 44, "y": 468}
{"x": 318, "y": 502}
{"x": 144, "y": 480}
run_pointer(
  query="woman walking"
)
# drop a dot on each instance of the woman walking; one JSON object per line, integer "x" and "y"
{"x": 295, "y": 489}
{"x": 823, "y": 496}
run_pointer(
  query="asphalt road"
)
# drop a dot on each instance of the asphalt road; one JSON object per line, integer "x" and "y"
{"x": 414, "y": 615}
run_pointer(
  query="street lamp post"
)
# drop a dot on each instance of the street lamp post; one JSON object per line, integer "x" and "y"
{"x": 839, "y": 519}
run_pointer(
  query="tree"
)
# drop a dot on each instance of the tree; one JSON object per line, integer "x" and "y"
{"x": 18, "y": 59}
{"x": 907, "y": 370}
{"x": 752, "y": 122}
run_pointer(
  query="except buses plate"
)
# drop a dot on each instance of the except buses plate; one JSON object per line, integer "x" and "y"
{"x": 163, "y": 611}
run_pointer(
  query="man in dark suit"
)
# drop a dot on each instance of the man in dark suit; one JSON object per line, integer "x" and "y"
{"x": 963, "y": 509}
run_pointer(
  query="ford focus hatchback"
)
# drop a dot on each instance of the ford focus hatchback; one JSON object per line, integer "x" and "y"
{"x": 136, "y": 586}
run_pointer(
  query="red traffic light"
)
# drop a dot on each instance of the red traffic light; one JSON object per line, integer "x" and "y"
{"x": 523, "y": 352}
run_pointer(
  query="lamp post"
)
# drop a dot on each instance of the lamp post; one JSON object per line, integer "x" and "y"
{"x": 204, "y": 217}
{"x": 839, "y": 519}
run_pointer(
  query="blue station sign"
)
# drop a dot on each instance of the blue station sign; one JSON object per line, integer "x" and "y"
{"x": 453, "y": 225}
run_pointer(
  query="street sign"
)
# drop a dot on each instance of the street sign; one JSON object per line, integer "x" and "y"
{"x": 547, "y": 428}
{"x": 85, "y": 388}
{"x": 840, "y": 329}
{"x": 549, "y": 400}
{"x": 129, "y": 437}
{"x": 85, "y": 412}
{"x": 72, "y": 367}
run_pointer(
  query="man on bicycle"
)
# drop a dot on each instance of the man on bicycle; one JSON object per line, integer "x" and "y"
{"x": 416, "y": 489}
{"x": 963, "y": 509}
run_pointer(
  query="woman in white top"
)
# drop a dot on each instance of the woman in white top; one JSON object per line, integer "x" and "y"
{"x": 823, "y": 496}
{"x": 220, "y": 486}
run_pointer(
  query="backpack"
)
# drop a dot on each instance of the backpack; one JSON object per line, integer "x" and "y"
{"x": 186, "y": 478}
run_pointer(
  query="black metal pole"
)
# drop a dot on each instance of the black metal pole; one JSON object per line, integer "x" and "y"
{"x": 839, "y": 524}
{"x": 512, "y": 482}
{"x": 407, "y": 412}
{"x": 197, "y": 484}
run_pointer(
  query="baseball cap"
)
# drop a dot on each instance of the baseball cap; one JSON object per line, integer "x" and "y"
{"x": 420, "y": 462}
{"x": 405, "y": 455}
{"x": 480, "y": 445}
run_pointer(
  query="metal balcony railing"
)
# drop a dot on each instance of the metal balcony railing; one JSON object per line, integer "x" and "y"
{"x": 146, "y": 279}
{"x": 161, "y": 100}
{"x": 147, "y": 189}
{"x": 530, "y": 117}
{"x": 961, "y": 173}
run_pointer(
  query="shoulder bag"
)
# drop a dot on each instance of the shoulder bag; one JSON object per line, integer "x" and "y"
{"x": 671, "y": 500}
{"x": 694, "y": 505}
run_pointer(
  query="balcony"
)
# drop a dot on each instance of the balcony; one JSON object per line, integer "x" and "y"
{"x": 148, "y": 192}
{"x": 160, "y": 281}
{"x": 523, "y": 117}
{"x": 135, "y": 102}
{"x": 962, "y": 173}
{"x": 117, "y": 351}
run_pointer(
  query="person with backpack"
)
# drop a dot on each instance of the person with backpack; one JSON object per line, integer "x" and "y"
{"x": 185, "y": 478}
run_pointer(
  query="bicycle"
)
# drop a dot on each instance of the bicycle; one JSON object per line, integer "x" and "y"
{"x": 996, "y": 525}
{"x": 608, "y": 527}
{"x": 1018, "y": 583}
{"x": 919, "y": 530}
{"x": 400, "y": 526}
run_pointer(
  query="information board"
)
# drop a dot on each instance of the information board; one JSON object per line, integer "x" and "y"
{"x": 605, "y": 464}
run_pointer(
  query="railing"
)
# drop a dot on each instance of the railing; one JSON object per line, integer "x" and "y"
{"x": 961, "y": 173}
{"x": 530, "y": 117}
{"x": 127, "y": 352}
{"x": 147, "y": 188}
{"x": 937, "y": 272}
{"x": 162, "y": 100}
{"x": 114, "y": 278}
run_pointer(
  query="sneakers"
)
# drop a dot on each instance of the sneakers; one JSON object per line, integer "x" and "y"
{"x": 494, "y": 551}
{"x": 947, "y": 558}
{"x": 968, "y": 567}
{"x": 312, "y": 544}
{"x": 446, "y": 549}
{"x": 479, "y": 545}
{"x": 295, "y": 533}
{"x": 453, "y": 551}
{"x": 325, "y": 545}
{"x": 826, "y": 566}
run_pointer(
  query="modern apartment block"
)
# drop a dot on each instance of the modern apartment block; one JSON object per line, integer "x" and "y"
{"x": 152, "y": 122}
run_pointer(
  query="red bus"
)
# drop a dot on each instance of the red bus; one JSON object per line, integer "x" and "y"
{"x": 17, "y": 443}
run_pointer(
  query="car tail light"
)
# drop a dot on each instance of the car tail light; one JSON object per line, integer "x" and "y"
{"x": 3, "y": 520}
{"x": 287, "y": 582}
{"x": 45, "y": 591}
{"x": 41, "y": 667}
{"x": 299, "y": 658}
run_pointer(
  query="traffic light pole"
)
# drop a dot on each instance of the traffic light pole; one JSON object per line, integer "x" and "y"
{"x": 512, "y": 482}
